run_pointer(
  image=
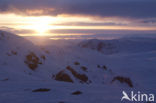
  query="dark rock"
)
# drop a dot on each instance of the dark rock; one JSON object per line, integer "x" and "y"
{"x": 81, "y": 77}
{"x": 76, "y": 63}
{"x": 123, "y": 80}
{"x": 84, "y": 68}
{"x": 41, "y": 90}
{"x": 104, "y": 67}
{"x": 32, "y": 61}
{"x": 61, "y": 102}
{"x": 77, "y": 93}
{"x": 61, "y": 76}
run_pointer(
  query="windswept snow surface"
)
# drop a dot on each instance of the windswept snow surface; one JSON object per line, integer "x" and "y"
{"x": 96, "y": 68}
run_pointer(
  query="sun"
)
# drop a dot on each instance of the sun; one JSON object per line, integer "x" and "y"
{"x": 41, "y": 26}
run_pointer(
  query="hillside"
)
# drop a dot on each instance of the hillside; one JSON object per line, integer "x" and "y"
{"x": 89, "y": 71}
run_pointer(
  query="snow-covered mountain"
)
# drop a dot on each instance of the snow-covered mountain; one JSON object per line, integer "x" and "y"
{"x": 75, "y": 71}
{"x": 123, "y": 45}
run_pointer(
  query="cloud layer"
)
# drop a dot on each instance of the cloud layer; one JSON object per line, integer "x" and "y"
{"x": 102, "y": 8}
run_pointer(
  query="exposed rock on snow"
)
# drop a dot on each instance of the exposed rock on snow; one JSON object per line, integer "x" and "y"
{"x": 82, "y": 77}
{"x": 76, "y": 63}
{"x": 41, "y": 90}
{"x": 62, "y": 76}
{"x": 33, "y": 61}
{"x": 84, "y": 68}
{"x": 102, "y": 67}
{"x": 122, "y": 79}
{"x": 77, "y": 93}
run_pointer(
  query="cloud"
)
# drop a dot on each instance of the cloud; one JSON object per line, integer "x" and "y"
{"x": 108, "y": 35}
{"x": 149, "y": 21}
{"x": 91, "y": 24}
{"x": 17, "y": 31}
{"x": 95, "y": 31}
{"x": 102, "y": 8}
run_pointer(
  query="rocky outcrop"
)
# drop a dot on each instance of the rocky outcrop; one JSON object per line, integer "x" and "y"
{"x": 62, "y": 76}
{"x": 32, "y": 61}
{"x": 122, "y": 79}
{"x": 81, "y": 77}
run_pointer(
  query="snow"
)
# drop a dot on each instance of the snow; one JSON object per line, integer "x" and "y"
{"x": 132, "y": 58}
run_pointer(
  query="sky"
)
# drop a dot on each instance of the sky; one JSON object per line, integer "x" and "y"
{"x": 77, "y": 17}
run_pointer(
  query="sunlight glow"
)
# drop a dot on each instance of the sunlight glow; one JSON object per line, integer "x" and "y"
{"x": 40, "y": 25}
{"x": 45, "y": 25}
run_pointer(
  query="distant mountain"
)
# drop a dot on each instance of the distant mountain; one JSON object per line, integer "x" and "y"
{"x": 123, "y": 45}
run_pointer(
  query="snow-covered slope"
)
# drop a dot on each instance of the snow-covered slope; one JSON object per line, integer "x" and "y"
{"x": 75, "y": 71}
{"x": 18, "y": 57}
